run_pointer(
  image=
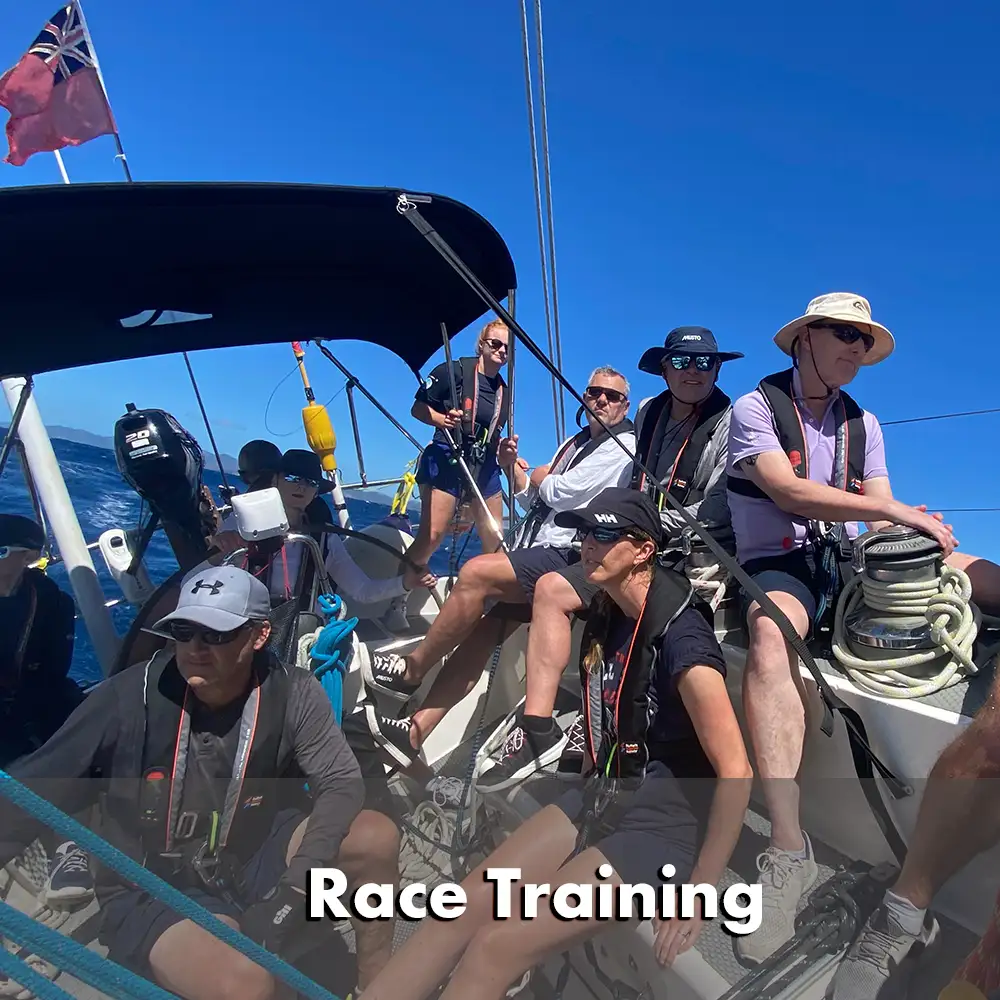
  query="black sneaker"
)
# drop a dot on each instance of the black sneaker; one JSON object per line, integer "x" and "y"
{"x": 70, "y": 879}
{"x": 570, "y": 765}
{"x": 392, "y": 735}
{"x": 384, "y": 672}
{"x": 523, "y": 752}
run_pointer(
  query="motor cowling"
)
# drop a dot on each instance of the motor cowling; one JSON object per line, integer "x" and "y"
{"x": 164, "y": 464}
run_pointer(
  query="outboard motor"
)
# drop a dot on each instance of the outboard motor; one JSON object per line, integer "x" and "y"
{"x": 163, "y": 463}
{"x": 905, "y": 624}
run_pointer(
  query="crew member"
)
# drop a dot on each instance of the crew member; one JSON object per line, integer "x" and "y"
{"x": 682, "y": 438}
{"x": 806, "y": 463}
{"x": 584, "y": 465}
{"x": 37, "y": 632}
{"x": 163, "y": 748}
{"x": 653, "y": 665}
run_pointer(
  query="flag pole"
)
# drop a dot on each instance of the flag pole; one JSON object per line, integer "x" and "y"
{"x": 62, "y": 166}
{"x": 107, "y": 100}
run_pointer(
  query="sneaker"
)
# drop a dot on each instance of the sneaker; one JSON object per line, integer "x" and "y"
{"x": 785, "y": 879}
{"x": 392, "y": 735}
{"x": 70, "y": 879}
{"x": 570, "y": 766}
{"x": 882, "y": 959}
{"x": 522, "y": 753}
{"x": 384, "y": 672}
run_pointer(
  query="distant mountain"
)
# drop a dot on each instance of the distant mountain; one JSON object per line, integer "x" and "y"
{"x": 78, "y": 436}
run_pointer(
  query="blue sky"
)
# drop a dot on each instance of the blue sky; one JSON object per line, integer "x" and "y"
{"x": 718, "y": 166}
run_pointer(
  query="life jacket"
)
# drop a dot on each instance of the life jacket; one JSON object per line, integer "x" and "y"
{"x": 571, "y": 453}
{"x": 476, "y": 446}
{"x": 849, "y": 460}
{"x": 143, "y": 805}
{"x": 626, "y": 757}
{"x": 684, "y": 453}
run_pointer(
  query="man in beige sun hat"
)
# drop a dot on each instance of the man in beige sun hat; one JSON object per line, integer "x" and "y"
{"x": 806, "y": 464}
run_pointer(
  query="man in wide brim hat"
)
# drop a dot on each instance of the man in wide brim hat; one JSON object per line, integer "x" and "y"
{"x": 840, "y": 309}
{"x": 695, "y": 341}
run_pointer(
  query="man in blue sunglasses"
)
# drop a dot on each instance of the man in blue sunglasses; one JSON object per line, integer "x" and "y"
{"x": 806, "y": 465}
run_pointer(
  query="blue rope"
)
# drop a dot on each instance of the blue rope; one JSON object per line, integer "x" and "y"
{"x": 55, "y": 818}
{"x": 329, "y": 652}
{"x": 65, "y": 953}
{"x": 31, "y": 979}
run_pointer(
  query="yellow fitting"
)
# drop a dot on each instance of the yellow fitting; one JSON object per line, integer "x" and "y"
{"x": 404, "y": 491}
{"x": 320, "y": 434}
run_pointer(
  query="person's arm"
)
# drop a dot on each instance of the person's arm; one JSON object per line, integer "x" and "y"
{"x": 63, "y": 769}
{"x": 577, "y": 487}
{"x": 57, "y": 633}
{"x": 354, "y": 581}
{"x": 332, "y": 772}
{"x": 432, "y": 403}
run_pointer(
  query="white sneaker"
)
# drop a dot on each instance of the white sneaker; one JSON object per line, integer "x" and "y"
{"x": 785, "y": 879}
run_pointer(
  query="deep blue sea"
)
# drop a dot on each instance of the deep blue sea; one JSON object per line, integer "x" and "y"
{"x": 103, "y": 500}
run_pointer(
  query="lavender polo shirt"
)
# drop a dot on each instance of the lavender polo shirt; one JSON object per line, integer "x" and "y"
{"x": 761, "y": 527}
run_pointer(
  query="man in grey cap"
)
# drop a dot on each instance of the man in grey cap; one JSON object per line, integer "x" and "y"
{"x": 228, "y": 775}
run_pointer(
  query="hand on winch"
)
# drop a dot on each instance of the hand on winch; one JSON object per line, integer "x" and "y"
{"x": 930, "y": 524}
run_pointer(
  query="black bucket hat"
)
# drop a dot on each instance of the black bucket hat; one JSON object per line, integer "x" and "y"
{"x": 19, "y": 532}
{"x": 304, "y": 464}
{"x": 684, "y": 340}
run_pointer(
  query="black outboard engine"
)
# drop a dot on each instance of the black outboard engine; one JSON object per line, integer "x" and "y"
{"x": 163, "y": 463}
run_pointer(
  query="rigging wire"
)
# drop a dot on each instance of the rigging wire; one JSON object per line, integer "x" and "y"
{"x": 547, "y": 173}
{"x": 204, "y": 416}
{"x": 939, "y": 416}
{"x": 536, "y": 179}
{"x": 270, "y": 399}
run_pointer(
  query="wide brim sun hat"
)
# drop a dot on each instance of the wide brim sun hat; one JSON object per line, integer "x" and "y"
{"x": 840, "y": 307}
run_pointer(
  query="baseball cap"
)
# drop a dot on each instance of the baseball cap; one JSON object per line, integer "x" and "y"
{"x": 20, "y": 532}
{"x": 616, "y": 507}
{"x": 259, "y": 458}
{"x": 221, "y": 598}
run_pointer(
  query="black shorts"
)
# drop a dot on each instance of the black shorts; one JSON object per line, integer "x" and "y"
{"x": 530, "y": 565}
{"x": 576, "y": 577}
{"x": 377, "y": 795}
{"x": 132, "y": 921}
{"x": 436, "y": 470}
{"x": 664, "y": 823}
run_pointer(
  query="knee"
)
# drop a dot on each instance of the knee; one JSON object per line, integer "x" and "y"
{"x": 554, "y": 595}
{"x": 767, "y": 654}
{"x": 370, "y": 848}
{"x": 475, "y": 575}
{"x": 241, "y": 979}
{"x": 494, "y": 948}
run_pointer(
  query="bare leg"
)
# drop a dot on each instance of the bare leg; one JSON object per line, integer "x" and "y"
{"x": 549, "y": 642}
{"x": 370, "y": 853}
{"x": 481, "y": 578}
{"x": 488, "y": 537}
{"x": 459, "y": 676}
{"x": 774, "y": 700}
{"x": 538, "y": 848}
{"x": 502, "y": 951}
{"x": 960, "y": 809}
{"x": 984, "y": 577}
{"x": 436, "y": 511}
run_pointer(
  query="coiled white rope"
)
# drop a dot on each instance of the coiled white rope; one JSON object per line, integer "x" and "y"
{"x": 946, "y": 605}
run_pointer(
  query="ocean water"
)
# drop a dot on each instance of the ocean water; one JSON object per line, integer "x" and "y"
{"x": 103, "y": 500}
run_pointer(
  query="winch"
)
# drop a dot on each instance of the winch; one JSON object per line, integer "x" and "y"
{"x": 905, "y": 623}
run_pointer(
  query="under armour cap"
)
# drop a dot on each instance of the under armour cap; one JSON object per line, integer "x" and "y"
{"x": 616, "y": 507}
{"x": 21, "y": 532}
{"x": 221, "y": 598}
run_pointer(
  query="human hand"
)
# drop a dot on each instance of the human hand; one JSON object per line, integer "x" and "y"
{"x": 449, "y": 420}
{"x": 522, "y": 464}
{"x": 929, "y": 524}
{"x": 419, "y": 577}
{"x": 507, "y": 452}
{"x": 270, "y": 921}
{"x": 674, "y": 937}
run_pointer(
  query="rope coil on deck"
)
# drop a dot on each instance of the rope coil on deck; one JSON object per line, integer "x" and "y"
{"x": 945, "y": 603}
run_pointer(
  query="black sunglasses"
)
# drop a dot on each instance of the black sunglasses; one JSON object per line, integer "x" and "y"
{"x": 303, "y": 481}
{"x": 847, "y": 333}
{"x": 595, "y": 392}
{"x": 606, "y": 536}
{"x": 186, "y": 631}
{"x": 682, "y": 362}
{"x": 494, "y": 344}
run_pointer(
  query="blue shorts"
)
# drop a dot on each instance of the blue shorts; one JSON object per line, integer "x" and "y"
{"x": 793, "y": 573}
{"x": 436, "y": 470}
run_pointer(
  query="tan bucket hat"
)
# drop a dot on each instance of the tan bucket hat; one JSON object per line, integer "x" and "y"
{"x": 840, "y": 307}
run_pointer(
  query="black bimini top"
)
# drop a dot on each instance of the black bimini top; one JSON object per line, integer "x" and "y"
{"x": 263, "y": 263}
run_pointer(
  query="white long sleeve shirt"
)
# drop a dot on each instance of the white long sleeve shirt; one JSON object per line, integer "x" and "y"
{"x": 576, "y": 487}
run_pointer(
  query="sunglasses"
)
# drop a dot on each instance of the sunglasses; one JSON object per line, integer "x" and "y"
{"x": 303, "y": 481}
{"x": 186, "y": 631}
{"x": 595, "y": 392}
{"x": 848, "y": 334}
{"x": 682, "y": 362}
{"x": 605, "y": 536}
{"x": 495, "y": 345}
{"x": 7, "y": 550}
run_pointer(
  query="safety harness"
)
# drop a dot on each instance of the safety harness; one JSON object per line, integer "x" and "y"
{"x": 476, "y": 445}
{"x": 682, "y": 452}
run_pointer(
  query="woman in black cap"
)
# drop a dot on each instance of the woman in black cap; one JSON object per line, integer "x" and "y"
{"x": 682, "y": 767}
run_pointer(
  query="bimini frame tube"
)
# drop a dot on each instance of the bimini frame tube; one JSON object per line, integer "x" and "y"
{"x": 865, "y": 758}
{"x": 44, "y": 466}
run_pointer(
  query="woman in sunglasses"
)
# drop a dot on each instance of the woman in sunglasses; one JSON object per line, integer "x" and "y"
{"x": 484, "y": 407}
{"x": 298, "y": 477}
{"x": 684, "y": 763}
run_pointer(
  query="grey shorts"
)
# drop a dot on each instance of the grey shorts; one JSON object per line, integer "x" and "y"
{"x": 792, "y": 574}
